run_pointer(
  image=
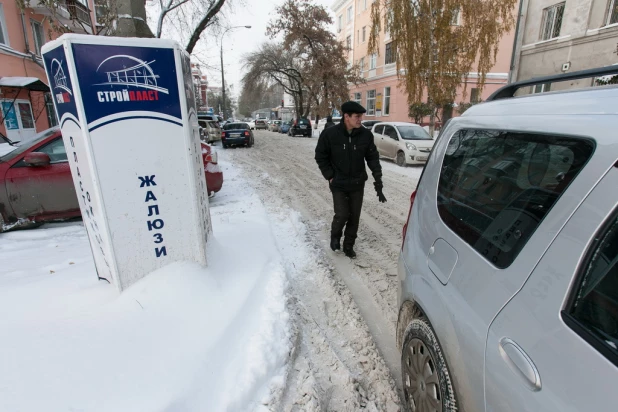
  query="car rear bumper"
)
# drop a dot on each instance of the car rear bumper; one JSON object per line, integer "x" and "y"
{"x": 214, "y": 181}
{"x": 236, "y": 141}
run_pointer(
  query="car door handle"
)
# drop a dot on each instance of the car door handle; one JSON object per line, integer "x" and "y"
{"x": 520, "y": 363}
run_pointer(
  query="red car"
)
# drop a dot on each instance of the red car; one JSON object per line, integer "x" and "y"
{"x": 36, "y": 184}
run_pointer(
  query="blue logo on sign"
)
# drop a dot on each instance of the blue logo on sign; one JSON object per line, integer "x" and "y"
{"x": 60, "y": 82}
{"x": 117, "y": 79}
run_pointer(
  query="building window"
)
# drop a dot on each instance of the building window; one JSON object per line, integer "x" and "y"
{"x": 541, "y": 88}
{"x": 51, "y": 111}
{"x": 552, "y": 21}
{"x": 358, "y": 97}
{"x": 350, "y": 15}
{"x": 373, "y": 61}
{"x": 4, "y": 36}
{"x": 348, "y": 43}
{"x": 613, "y": 12}
{"x": 364, "y": 33}
{"x": 39, "y": 36}
{"x": 387, "y": 101}
{"x": 371, "y": 102}
{"x": 455, "y": 17}
{"x": 474, "y": 95}
{"x": 390, "y": 53}
{"x": 357, "y": 36}
{"x": 339, "y": 23}
{"x": 361, "y": 63}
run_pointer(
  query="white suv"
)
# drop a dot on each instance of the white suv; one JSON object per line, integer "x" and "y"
{"x": 509, "y": 267}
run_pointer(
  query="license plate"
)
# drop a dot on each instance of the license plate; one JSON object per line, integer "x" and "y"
{"x": 421, "y": 158}
{"x": 303, "y": 127}
{"x": 234, "y": 134}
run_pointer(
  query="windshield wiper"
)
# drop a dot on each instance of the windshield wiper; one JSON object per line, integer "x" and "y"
{"x": 6, "y": 139}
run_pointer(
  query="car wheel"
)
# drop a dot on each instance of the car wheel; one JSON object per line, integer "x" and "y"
{"x": 225, "y": 146}
{"x": 401, "y": 159}
{"x": 427, "y": 383}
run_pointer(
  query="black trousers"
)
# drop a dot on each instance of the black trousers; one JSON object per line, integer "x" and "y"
{"x": 347, "y": 213}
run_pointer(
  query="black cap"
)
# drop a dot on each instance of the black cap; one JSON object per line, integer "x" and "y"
{"x": 352, "y": 107}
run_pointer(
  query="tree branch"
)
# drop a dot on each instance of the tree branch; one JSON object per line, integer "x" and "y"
{"x": 214, "y": 9}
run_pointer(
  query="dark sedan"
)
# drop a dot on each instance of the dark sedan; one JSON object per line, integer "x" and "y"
{"x": 236, "y": 134}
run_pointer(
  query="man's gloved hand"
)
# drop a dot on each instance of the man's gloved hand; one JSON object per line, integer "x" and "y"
{"x": 378, "y": 186}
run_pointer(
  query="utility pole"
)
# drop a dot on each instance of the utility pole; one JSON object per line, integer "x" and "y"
{"x": 223, "y": 71}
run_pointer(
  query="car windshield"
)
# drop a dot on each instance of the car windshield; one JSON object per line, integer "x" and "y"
{"x": 21, "y": 148}
{"x": 413, "y": 133}
{"x": 236, "y": 126}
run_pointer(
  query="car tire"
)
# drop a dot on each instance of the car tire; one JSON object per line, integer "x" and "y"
{"x": 225, "y": 146}
{"x": 401, "y": 159}
{"x": 425, "y": 375}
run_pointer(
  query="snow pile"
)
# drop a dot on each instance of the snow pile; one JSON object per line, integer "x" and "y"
{"x": 184, "y": 338}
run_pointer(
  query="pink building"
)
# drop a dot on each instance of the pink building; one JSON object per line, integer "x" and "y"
{"x": 25, "y": 103}
{"x": 381, "y": 94}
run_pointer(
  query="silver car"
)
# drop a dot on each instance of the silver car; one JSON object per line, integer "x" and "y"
{"x": 508, "y": 270}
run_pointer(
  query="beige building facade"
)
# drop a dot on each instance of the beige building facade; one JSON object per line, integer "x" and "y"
{"x": 381, "y": 94}
{"x": 562, "y": 36}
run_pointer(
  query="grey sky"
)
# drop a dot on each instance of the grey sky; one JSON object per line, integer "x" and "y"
{"x": 237, "y": 42}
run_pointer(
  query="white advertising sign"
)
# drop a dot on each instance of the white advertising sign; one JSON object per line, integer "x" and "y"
{"x": 127, "y": 113}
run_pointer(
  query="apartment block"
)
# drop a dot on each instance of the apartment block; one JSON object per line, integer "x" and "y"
{"x": 382, "y": 96}
{"x": 25, "y": 99}
{"x": 561, "y": 36}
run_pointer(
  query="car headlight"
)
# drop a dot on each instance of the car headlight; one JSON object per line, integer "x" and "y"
{"x": 410, "y": 146}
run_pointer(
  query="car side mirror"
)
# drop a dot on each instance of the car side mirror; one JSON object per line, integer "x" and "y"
{"x": 37, "y": 159}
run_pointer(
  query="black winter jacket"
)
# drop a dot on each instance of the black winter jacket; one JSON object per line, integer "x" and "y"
{"x": 341, "y": 157}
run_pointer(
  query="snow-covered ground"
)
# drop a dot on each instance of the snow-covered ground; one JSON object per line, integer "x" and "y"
{"x": 268, "y": 325}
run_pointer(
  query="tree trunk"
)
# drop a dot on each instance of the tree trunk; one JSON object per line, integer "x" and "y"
{"x": 131, "y": 20}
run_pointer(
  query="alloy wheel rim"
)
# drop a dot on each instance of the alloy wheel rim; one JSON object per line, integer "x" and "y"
{"x": 421, "y": 384}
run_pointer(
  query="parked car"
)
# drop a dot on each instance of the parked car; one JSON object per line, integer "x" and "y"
{"x": 370, "y": 123}
{"x": 508, "y": 271}
{"x": 237, "y": 134}
{"x": 285, "y": 127}
{"x": 251, "y": 124}
{"x": 36, "y": 184}
{"x": 261, "y": 124}
{"x": 322, "y": 123}
{"x": 301, "y": 127}
{"x": 212, "y": 133}
{"x": 274, "y": 125}
{"x": 405, "y": 143}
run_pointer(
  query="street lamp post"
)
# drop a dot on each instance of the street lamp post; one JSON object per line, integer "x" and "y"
{"x": 222, "y": 71}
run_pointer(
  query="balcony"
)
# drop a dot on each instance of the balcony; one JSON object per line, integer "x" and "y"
{"x": 71, "y": 13}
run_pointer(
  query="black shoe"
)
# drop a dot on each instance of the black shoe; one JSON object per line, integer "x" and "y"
{"x": 349, "y": 252}
{"x": 335, "y": 243}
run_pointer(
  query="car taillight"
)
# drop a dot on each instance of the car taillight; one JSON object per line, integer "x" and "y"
{"x": 211, "y": 157}
{"x": 222, "y": 135}
{"x": 405, "y": 226}
{"x": 247, "y": 133}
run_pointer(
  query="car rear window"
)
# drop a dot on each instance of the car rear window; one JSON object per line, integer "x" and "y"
{"x": 496, "y": 187}
{"x": 236, "y": 126}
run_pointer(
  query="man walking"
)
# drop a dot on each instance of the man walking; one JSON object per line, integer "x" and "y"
{"x": 341, "y": 154}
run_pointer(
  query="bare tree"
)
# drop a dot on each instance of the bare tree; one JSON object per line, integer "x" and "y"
{"x": 185, "y": 20}
{"x": 274, "y": 64}
{"x": 439, "y": 42}
{"x": 305, "y": 26}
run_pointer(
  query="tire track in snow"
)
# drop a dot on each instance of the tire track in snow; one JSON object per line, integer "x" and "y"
{"x": 371, "y": 278}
